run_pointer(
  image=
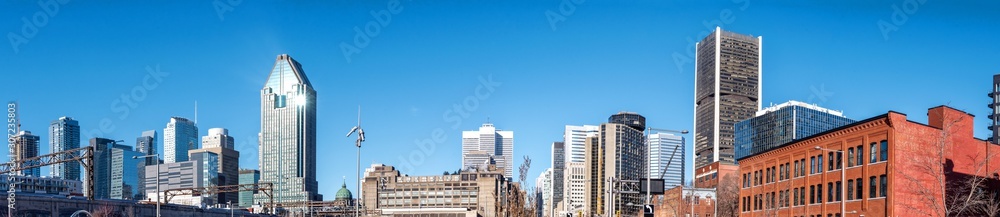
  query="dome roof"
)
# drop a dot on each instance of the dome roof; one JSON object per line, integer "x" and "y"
{"x": 344, "y": 194}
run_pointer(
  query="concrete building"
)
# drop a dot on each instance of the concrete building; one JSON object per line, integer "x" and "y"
{"x": 498, "y": 143}
{"x": 42, "y": 185}
{"x": 288, "y": 133}
{"x": 179, "y": 137}
{"x": 248, "y": 176}
{"x": 575, "y": 176}
{"x": 115, "y": 171}
{"x": 891, "y": 164}
{"x": 777, "y": 125}
{"x": 994, "y": 117}
{"x": 666, "y": 158}
{"x": 64, "y": 134}
{"x": 25, "y": 146}
{"x": 727, "y": 90}
{"x": 200, "y": 171}
{"x": 219, "y": 142}
{"x": 617, "y": 153}
{"x": 470, "y": 193}
{"x": 543, "y": 191}
{"x": 685, "y": 202}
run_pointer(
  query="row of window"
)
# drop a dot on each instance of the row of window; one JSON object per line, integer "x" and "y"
{"x": 878, "y": 187}
{"x": 879, "y": 152}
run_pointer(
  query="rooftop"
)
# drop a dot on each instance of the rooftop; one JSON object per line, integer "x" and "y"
{"x": 799, "y": 104}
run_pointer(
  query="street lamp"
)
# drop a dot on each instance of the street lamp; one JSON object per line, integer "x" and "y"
{"x": 361, "y": 138}
{"x": 231, "y": 214}
{"x": 156, "y": 158}
{"x": 649, "y": 161}
{"x": 843, "y": 178}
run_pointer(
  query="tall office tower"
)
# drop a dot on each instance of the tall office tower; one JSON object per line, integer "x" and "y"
{"x": 125, "y": 164}
{"x": 727, "y": 90}
{"x": 199, "y": 171}
{"x": 666, "y": 158}
{"x": 780, "y": 124}
{"x": 64, "y": 134}
{"x": 558, "y": 168}
{"x": 574, "y": 176}
{"x": 113, "y": 167}
{"x": 220, "y": 143}
{"x": 147, "y": 145}
{"x": 995, "y": 105}
{"x": 26, "y": 146}
{"x": 248, "y": 176}
{"x": 617, "y": 153}
{"x": 288, "y": 133}
{"x": 543, "y": 190}
{"x": 498, "y": 143}
{"x": 180, "y": 136}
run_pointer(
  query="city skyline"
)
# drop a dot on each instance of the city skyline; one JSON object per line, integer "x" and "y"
{"x": 424, "y": 83}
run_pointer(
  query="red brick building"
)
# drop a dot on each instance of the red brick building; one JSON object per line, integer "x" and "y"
{"x": 683, "y": 202}
{"x": 709, "y": 175}
{"x": 894, "y": 167}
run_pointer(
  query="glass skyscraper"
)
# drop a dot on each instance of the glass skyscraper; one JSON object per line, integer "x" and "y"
{"x": 64, "y": 134}
{"x": 26, "y": 146}
{"x": 288, "y": 133}
{"x": 179, "y": 137}
{"x": 780, "y": 124}
{"x": 248, "y": 177}
{"x": 661, "y": 147}
{"x": 727, "y": 90}
{"x": 147, "y": 145}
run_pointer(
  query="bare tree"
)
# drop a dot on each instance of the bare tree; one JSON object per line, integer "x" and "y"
{"x": 728, "y": 193}
{"x": 105, "y": 210}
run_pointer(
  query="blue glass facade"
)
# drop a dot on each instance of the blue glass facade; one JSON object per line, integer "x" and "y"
{"x": 783, "y": 125}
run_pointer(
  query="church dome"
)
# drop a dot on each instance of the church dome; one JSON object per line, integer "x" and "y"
{"x": 344, "y": 194}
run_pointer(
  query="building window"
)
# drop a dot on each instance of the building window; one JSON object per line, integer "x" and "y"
{"x": 819, "y": 164}
{"x": 829, "y": 193}
{"x": 850, "y": 157}
{"x": 850, "y": 189}
{"x": 830, "y": 164}
{"x": 884, "y": 150}
{"x": 883, "y": 184}
{"x": 840, "y": 191}
{"x": 802, "y": 196}
{"x": 861, "y": 156}
{"x": 812, "y": 194}
{"x": 812, "y": 165}
{"x": 796, "y": 172}
{"x": 819, "y": 193}
{"x": 871, "y": 187}
{"x": 840, "y": 158}
{"x": 795, "y": 194}
{"x": 874, "y": 153}
{"x": 858, "y": 193}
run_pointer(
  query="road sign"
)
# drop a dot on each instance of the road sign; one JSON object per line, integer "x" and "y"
{"x": 648, "y": 211}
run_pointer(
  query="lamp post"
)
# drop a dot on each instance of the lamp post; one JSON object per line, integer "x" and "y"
{"x": 156, "y": 158}
{"x": 843, "y": 178}
{"x": 231, "y": 214}
{"x": 649, "y": 160}
{"x": 361, "y": 138}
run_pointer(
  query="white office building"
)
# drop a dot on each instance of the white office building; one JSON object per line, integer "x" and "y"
{"x": 661, "y": 147}
{"x": 179, "y": 137}
{"x": 498, "y": 143}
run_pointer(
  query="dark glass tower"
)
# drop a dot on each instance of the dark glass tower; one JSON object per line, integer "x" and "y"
{"x": 995, "y": 105}
{"x": 727, "y": 90}
{"x": 780, "y": 124}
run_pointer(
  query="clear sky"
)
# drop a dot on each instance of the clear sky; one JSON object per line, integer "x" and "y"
{"x": 578, "y": 65}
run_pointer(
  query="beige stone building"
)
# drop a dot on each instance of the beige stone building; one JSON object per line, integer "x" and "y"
{"x": 471, "y": 193}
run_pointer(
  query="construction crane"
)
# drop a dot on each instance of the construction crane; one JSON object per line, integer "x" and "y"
{"x": 84, "y": 155}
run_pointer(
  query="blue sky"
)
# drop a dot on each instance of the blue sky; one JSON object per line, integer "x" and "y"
{"x": 597, "y": 58}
